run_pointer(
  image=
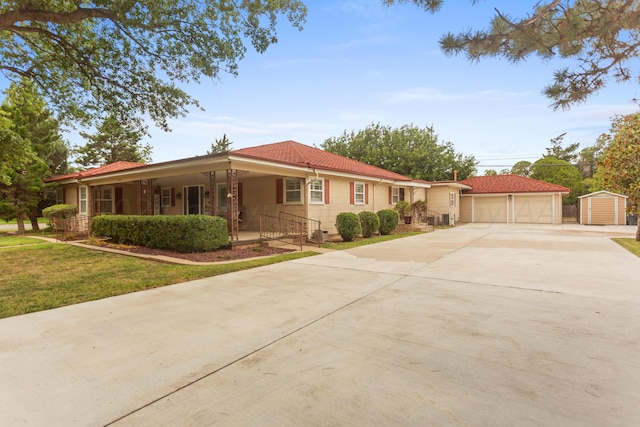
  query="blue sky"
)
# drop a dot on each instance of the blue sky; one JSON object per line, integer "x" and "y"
{"x": 358, "y": 62}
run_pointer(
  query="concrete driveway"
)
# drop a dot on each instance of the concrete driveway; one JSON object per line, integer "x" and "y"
{"x": 477, "y": 325}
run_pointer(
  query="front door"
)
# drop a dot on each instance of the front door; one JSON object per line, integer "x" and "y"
{"x": 193, "y": 200}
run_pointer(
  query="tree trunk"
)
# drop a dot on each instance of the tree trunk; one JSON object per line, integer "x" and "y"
{"x": 638, "y": 229}
{"x": 34, "y": 222}
{"x": 20, "y": 222}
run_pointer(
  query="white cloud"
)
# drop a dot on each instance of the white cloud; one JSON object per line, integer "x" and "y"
{"x": 422, "y": 93}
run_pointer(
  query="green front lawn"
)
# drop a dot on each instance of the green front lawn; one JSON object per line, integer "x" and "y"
{"x": 9, "y": 240}
{"x": 630, "y": 244}
{"x": 50, "y": 275}
{"x": 369, "y": 240}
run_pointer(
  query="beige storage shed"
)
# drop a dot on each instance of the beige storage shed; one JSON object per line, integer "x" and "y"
{"x": 602, "y": 208}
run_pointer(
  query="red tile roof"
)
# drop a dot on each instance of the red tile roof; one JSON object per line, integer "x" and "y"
{"x": 510, "y": 184}
{"x": 112, "y": 167}
{"x": 295, "y": 153}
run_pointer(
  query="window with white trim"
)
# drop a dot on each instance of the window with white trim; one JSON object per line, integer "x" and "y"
{"x": 166, "y": 197}
{"x": 293, "y": 191}
{"x": 397, "y": 195}
{"x": 452, "y": 200}
{"x": 316, "y": 191}
{"x": 358, "y": 193}
{"x": 221, "y": 197}
{"x": 82, "y": 200}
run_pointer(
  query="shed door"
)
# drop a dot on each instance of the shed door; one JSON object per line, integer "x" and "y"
{"x": 490, "y": 209}
{"x": 602, "y": 210}
{"x": 534, "y": 209}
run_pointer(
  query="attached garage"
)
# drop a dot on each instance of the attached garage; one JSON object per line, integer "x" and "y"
{"x": 602, "y": 208}
{"x": 511, "y": 199}
{"x": 490, "y": 209}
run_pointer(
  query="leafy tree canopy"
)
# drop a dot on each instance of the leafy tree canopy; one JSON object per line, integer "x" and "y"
{"x": 560, "y": 172}
{"x": 522, "y": 168}
{"x": 602, "y": 36}
{"x": 91, "y": 56}
{"x": 407, "y": 150}
{"x": 116, "y": 140}
{"x": 619, "y": 166}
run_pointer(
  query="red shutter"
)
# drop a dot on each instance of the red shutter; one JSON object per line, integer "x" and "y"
{"x": 279, "y": 195}
{"x": 326, "y": 191}
{"x": 118, "y": 200}
{"x": 390, "y": 195}
{"x": 173, "y": 196}
{"x": 351, "y": 201}
{"x": 366, "y": 194}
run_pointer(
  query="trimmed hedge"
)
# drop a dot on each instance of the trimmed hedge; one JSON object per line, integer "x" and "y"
{"x": 188, "y": 233}
{"x": 369, "y": 222}
{"x": 348, "y": 225}
{"x": 388, "y": 220}
{"x": 60, "y": 211}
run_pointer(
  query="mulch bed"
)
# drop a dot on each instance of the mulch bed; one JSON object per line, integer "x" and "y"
{"x": 213, "y": 256}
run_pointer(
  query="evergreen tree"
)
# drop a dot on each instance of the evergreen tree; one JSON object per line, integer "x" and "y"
{"x": 45, "y": 153}
{"x": 115, "y": 140}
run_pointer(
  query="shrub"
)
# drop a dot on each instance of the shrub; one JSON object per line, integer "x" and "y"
{"x": 60, "y": 211}
{"x": 388, "y": 221}
{"x": 369, "y": 222}
{"x": 189, "y": 233}
{"x": 348, "y": 225}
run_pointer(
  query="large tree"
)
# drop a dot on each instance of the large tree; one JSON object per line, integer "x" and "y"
{"x": 619, "y": 165}
{"x": 130, "y": 57}
{"x": 560, "y": 172}
{"x": 116, "y": 139}
{"x": 408, "y": 150}
{"x": 44, "y": 154}
{"x": 601, "y": 37}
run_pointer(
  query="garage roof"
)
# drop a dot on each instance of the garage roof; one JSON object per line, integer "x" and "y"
{"x": 510, "y": 184}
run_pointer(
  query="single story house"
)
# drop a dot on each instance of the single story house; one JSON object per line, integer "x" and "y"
{"x": 246, "y": 186}
{"x": 602, "y": 208}
{"x": 511, "y": 199}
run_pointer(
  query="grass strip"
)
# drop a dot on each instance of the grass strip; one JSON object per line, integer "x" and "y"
{"x": 46, "y": 276}
{"x": 368, "y": 241}
{"x": 6, "y": 240}
{"x": 630, "y": 244}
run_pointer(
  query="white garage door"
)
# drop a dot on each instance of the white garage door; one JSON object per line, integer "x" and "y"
{"x": 490, "y": 209}
{"x": 533, "y": 209}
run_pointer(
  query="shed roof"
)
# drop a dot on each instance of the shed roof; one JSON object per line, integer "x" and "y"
{"x": 510, "y": 184}
{"x": 603, "y": 192}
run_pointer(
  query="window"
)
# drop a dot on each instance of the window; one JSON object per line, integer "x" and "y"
{"x": 397, "y": 195}
{"x": 59, "y": 196}
{"x": 166, "y": 197}
{"x": 292, "y": 191}
{"x": 82, "y": 202}
{"x": 452, "y": 200}
{"x": 106, "y": 200}
{"x": 316, "y": 191}
{"x": 221, "y": 197}
{"x": 358, "y": 193}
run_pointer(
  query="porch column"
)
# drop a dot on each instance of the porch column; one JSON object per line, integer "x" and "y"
{"x": 139, "y": 197}
{"x": 412, "y": 196}
{"x": 232, "y": 203}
